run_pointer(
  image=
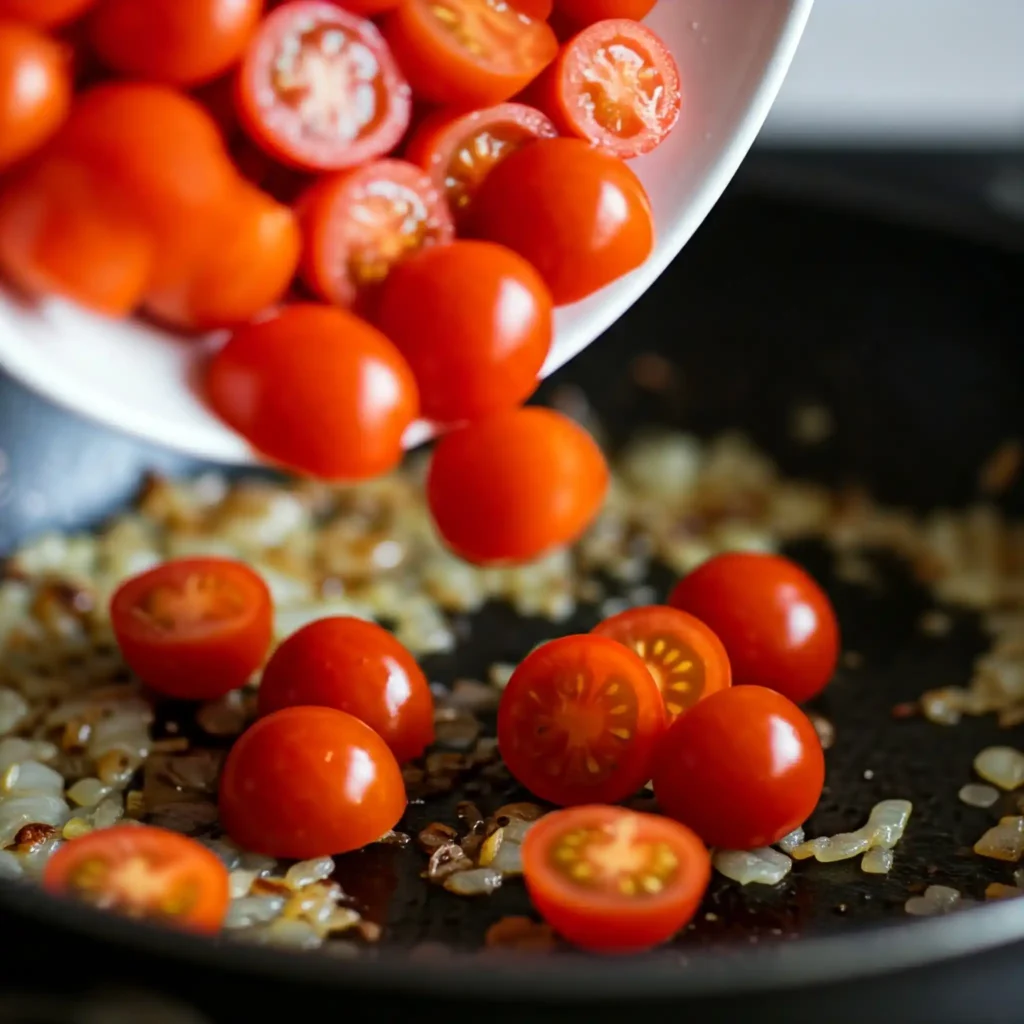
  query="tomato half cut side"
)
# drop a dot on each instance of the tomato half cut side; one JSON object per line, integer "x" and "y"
{"x": 319, "y": 89}
{"x": 579, "y": 721}
{"x": 193, "y": 628}
{"x": 359, "y": 224}
{"x": 458, "y": 150}
{"x": 539, "y": 9}
{"x": 143, "y": 872}
{"x": 613, "y": 880}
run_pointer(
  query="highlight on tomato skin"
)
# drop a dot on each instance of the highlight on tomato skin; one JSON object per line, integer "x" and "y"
{"x": 613, "y": 880}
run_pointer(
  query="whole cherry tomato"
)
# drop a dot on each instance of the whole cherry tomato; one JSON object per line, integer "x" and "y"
{"x": 742, "y": 768}
{"x": 44, "y": 13}
{"x": 475, "y": 322}
{"x": 579, "y": 216}
{"x": 316, "y": 389}
{"x": 307, "y": 782}
{"x": 613, "y": 880}
{"x": 513, "y": 486}
{"x": 356, "y": 667}
{"x": 776, "y": 623}
{"x": 586, "y": 12}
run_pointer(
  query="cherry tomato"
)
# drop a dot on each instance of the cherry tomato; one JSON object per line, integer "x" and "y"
{"x": 317, "y": 389}
{"x": 776, "y": 623}
{"x": 580, "y": 720}
{"x": 356, "y": 667}
{"x": 249, "y": 270}
{"x": 193, "y": 628}
{"x": 742, "y": 768}
{"x": 539, "y": 9}
{"x": 35, "y": 90}
{"x": 475, "y": 322}
{"x": 468, "y": 52}
{"x": 44, "y": 13}
{"x": 586, "y": 12}
{"x": 319, "y": 89}
{"x": 357, "y": 225}
{"x": 615, "y": 85}
{"x": 183, "y": 42}
{"x": 458, "y": 149}
{"x": 307, "y": 782}
{"x": 515, "y": 485}
{"x": 579, "y": 216}
{"x": 368, "y": 8}
{"x": 609, "y": 879}
{"x": 687, "y": 660}
{"x": 144, "y": 872}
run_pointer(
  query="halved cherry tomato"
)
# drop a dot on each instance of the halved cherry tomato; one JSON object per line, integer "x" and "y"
{"x": 685, "y": 657}
{"x": 35, "y": 90}
{"x": 580, "y": 720}
{"x": 539, "y": 9}
{"x": 183, "y": 42}
{"x": 144, "y": 872}
{"x": 368, "y": 8}
{"x": 317, "y": 389}
{"x": 468, "y": 52}
{"x": 319, "y": 89}
{"x": 609, "y": 879}
{"x": 515, "y": 485}
{"x": 776, "y": 623}
{"x": 44, "y": 13}
{"x": 193, "y": 628}
{"x": 307, "y": 782}
{"x": 359, "y": 224}
{"x": 581, "y": 217}
{"x": 458, "y": 149}
{"x": 356, "y": 667}
{"x": 475, "y": 322}
{"x": 615, "y": 85}
{"x": 586, "y": 12}
{"x": 742, "y": 768}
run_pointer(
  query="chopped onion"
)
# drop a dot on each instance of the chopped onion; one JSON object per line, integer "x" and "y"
{"x": 306, "y": 872}
{"x": 877, "y": 861}
{"x": 1004, "y": 841}
{"x": 476, "y": 882}
{"x": 1002, "y": 766}
{"x": 998, "y": 891}
{"x": 763, "y": 866}
{"x": 937, "y": 899}
{"x": 788, "y": 843}
{"x": 884, "y": 829}
{"x": 974, "y": 794}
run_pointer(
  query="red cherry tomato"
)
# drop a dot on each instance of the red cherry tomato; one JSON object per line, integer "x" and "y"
{"x": 687, "y": 660}
{"x": 307, "y": 782}
{"x": 193, "y": 628}
{"x": 609, "y": 879}
{"x": 742, "y": 768}
{"x": 475, "y": 322}
{"x": 580, "y": 720}
{"x": 515, "y": 485}
{"x": 359, "y": 668}
{"x": 586, "y": 12}
{"x": 143, "y": 872}
{"x": 368, "y": 8}
{"x": 776, "y": 623}
{"x": 579, "y": 216}
{"x": 359, "y": 224}
{"x": 319, "y": 89}
{"x": 44, "y": 13}
{"x": 539, "y": 9}
{"x": 615, "y": 85}
{"x": 183, "y": 42}
{"x": 468, "y": 52}
{"x": 316, "y": 389}
{"x": 458, "y": 149}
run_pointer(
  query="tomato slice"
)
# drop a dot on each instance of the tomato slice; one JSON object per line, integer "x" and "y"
{"x": 319, "y": 89}
{"x": 614, "y": 880}
{"x": 586, "y": 12}
{"x": 579, "y": 721}
{"x": 458, "y": 150}
{"x": 193, "y": 628}
{"x": 468, "y": 52}
{"x": 686, "y": 659}
{"x": 357, "y": 225}
{"x": 143, "y": 872}
{"x": 539, "y": 9}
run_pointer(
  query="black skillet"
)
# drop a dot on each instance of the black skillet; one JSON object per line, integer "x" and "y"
{"x": 913, "y": 340}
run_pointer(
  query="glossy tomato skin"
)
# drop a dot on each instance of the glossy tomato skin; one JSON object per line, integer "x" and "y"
{"x": 513, "y": 486}
{"x": 586, "y": 12}
{"x": 316, "y": 389}
{"x": 539, "y": 9}
{"x": 193, "y": 628}
{"x": 194, "y": 892}
{"x": 475, "y": 322}
{"x": 44, "y": 13}
{"x": 776, "y": 623}
{"x": 368, "y": 8}
{"x": 595, "y": 912}
{"x": 581, "y": 217}
{"x": 359, "y": 668}
{"x": 580, "y": 720}
{"x": 307, "y": 782}
{"x": 742, "y": 768}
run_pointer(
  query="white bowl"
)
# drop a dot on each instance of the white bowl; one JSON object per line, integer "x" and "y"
{"x": 732, "y": 56}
